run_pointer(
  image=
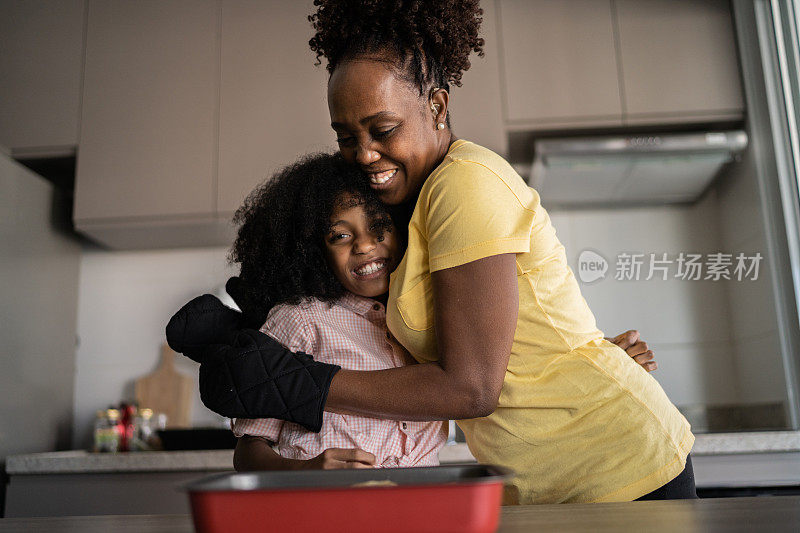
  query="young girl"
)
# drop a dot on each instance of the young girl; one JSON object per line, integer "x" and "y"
{"x": 317, "y": 246}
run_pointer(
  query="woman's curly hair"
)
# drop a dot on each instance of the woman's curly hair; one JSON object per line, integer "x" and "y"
{"x": 283, "y": 223}
{"x": 431, "y": 39}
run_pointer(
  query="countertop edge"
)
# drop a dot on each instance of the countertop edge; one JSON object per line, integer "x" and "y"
{"x": 83, "y": 462}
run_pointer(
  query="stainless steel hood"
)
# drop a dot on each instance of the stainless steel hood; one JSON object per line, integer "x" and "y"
{"x": 605, "y": 170}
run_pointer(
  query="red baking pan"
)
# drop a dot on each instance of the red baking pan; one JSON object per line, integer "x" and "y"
{"x": 457, "y": 498}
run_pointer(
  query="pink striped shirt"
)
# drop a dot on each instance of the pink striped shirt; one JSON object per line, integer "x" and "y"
{"x": 352, "y": 334}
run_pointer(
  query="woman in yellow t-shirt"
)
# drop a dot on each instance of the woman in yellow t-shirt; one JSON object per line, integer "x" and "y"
{"x": 484, "y": 298}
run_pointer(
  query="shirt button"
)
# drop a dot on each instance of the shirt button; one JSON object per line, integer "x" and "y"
{"x": 377, "y": 307}
{"x": 405, "y": 426}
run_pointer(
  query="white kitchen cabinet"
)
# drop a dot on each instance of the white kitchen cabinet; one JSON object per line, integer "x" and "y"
{"x": 476, "y": 108}
{"x": 273, "y": 99}
{"x": 679, "y": 60}
{"x": 41, "y": 53}
{"x": 149, "y": 118}
{"x": 188, "y": 105}
{"x": 559, "y": 63}
{"x": 592, "y": 63}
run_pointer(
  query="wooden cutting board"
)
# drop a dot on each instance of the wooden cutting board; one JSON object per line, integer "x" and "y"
{"x": 167, "y": 391}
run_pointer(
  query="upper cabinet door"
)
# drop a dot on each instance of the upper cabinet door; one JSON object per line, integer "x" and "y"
{"x": 559, "y": 63}
{"x": 476, "y": 108}
{"x": 679, "y": 57}
{"x": 273, "y": 103}
{"x": 41, "y": 53}
{"x": 148, "y": 127}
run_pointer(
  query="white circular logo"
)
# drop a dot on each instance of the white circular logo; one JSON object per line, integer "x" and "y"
{"x": 591, "y": 266}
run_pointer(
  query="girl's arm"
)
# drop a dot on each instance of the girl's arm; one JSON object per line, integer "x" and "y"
{"x": 476, "y": 307}
{"x": 255, "y": 453}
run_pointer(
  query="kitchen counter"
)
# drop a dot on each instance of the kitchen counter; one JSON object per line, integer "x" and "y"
{"x": 83, "y": 483}
{"x": 78, "y": 461}
{"x": 746, "y": 442}
{"x": 777, "y": 513}
{"x": 83, "y": 462}
{"x": 74, "y": 483}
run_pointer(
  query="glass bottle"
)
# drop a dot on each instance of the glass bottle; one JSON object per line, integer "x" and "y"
{"x": 143, "y": 436}
{"x": 106, "y": 431}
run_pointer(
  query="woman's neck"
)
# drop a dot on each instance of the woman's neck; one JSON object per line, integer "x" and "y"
{"x": 442, "y": 150}
{"x": 401, "y": 213}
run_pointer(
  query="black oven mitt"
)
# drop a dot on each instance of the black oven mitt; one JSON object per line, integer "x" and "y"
{"x": 245, "y": 373}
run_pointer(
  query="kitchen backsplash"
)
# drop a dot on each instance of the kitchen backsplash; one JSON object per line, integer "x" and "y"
{"x": 125, "y": 300}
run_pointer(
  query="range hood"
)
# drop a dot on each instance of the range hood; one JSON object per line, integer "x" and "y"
{"x": 606, "y": 170}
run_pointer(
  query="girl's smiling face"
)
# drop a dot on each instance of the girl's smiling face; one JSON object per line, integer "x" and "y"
{"x": 360, "y": 249}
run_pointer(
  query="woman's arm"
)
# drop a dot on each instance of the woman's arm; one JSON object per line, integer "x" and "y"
{"x": 233, "y": 362}
{"x": 255, "y": 453}
{"x": 476, "y": 307}
{"x": 245, "y": 373}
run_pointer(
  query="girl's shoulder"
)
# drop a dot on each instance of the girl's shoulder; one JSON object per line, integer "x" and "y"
{"x": 299, "y": 312}
{"x": 292, "y": 325}
{"x": 284, "y": 311}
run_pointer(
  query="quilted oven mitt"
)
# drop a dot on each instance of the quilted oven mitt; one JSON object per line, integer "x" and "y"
{"x": 245, "y": 373}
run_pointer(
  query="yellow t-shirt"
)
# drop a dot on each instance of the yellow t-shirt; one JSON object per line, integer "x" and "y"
{"x": 578, "y": 419}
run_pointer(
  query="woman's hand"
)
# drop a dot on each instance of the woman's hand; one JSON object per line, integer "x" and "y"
{"x": 339, "y": 458}
{"x": 636, "y": 348}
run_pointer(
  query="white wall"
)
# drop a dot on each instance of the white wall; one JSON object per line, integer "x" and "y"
{"x": 754, "y": 327}
{"x": 39, "y": 286}
{"x": 125, "y": 301}
{"x": 685, "y": 322}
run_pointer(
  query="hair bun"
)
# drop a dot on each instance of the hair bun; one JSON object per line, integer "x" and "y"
{"x": 433, "y": 38}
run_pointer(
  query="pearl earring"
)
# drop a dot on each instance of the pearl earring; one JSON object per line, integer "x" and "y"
{"x": 440, "y": 126}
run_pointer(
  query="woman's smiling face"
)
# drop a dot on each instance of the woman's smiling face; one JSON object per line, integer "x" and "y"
{"x": 385, "y": 127}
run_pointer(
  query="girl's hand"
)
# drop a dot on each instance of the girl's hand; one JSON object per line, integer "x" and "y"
{"x": 636, "y": 348}
{"x": 337, "y": 458}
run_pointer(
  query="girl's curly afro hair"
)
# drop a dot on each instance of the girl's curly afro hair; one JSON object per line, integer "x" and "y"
{"x": 283, "y": 222}
{"x": 431, "y": 39}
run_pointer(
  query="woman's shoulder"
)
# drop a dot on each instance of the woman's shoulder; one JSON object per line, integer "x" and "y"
{"x": 463, "y": 151}
{"x": 471, "y": 167}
